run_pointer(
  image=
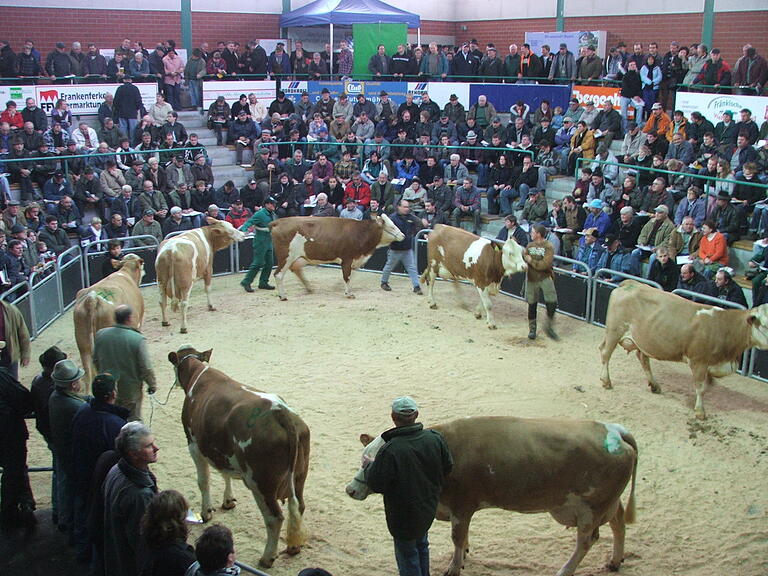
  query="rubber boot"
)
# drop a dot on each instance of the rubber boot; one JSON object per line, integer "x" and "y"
{"x": 550, "y": 327}
{"x": 532, "y": 321}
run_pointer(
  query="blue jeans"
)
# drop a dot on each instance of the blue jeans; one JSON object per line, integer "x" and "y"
{"x": 625, "y": 104}
{"x": 412, "y": 556}
{"x": 195, "y": 97}
{"x": 129, "y": 126}
{"x": 173, "y": 91}
{"x": 507, "y": 195}
{"x": 404, "y": 257}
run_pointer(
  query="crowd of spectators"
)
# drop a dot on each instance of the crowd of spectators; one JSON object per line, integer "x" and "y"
{"x": 357, "y": 159}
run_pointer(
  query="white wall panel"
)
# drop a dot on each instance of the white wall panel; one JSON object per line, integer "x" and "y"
{"x": 576, "y": 8}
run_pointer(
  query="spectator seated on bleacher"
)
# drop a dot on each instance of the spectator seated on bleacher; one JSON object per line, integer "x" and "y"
{"x": 614, "y": 257}
{"x": 590, "y": 249}
{"x": 685, "y": 239}
{"x": 663, "y": 270}
{"x": 724, "y": 287}
{"x": 726, "y": 218}
{"x": 655, "y": 234}
{"x": 597, "y": 218}
{"x": 713, "y": 250}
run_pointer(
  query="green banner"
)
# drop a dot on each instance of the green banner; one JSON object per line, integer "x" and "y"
{"x": 367, "y": 38}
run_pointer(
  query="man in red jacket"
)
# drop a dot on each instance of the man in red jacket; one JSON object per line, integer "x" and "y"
{"x": 358, "y": 189}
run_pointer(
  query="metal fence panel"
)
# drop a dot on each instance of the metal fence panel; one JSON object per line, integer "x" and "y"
{"x": 758, "y": 365}
{"x": 377, "y": 260}
{"x": 45, "y": 295}
{"x": 223, "y": 262}
{"x": 148, "y": 254}
{"x": 602, "y": 288}
{"x": 70, "y": 272}
{"x": 245, "y": 254}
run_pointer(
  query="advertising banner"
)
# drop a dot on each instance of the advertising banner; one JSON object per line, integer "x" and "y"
{"x": 574, "y": 41}
{"x": 440, "y": 92}
{"x": 504, "y": 96}
{"x": 712, "y": 106}
{"x": 598, "y": 94}
{"x": 83, "y": 99}
{"x": 371, "y": 90}
{"x": 231, "y": 90}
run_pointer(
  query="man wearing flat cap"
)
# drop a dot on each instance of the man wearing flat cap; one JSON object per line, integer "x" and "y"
{"x": 62, "y": 407}
{"x": 409, "y": 470}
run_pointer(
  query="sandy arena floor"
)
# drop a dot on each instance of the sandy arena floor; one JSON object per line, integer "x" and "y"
{"x": 703, "y": 508}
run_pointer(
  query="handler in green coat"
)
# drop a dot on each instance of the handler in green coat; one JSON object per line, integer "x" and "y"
{"x": 262, "y": 246}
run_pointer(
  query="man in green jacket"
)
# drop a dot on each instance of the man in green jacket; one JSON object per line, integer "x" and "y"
{"x": 409, "y": 471}
{"x": 14, "y": 332}
{"x": 262, "y": 246}
{"x": 121, "y": 350}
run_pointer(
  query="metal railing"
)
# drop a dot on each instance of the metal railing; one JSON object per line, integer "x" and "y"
{"x": 42, "y": 303}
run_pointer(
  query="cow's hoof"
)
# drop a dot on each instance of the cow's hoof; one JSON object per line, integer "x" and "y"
{"x": 283, "y": 298}
{"x": 293, "y": 550}
{"x": 183, "y": 331}
{"x": 655, "y": 388}
{"x": 607, "y": 385}
{"x": 700, "y": 415}
{"x": 211, "y": 308}
{"x": 478, "y": 315}
{"x": 351, "y": 296}
{"x": 491, "y": 326}
{"x": 266, "y": 562}
{"x": 229, "y": 504}
{"x": 613, "y": 566}
{"x": 207, "y": 515}
{"x": 166, "y": 323}
{"x": 433, "y": 306}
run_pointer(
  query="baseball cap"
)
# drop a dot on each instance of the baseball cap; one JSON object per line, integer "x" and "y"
{"x": 383, "y": 93}
{"x": 270, "y": 200}
{"x": 103, "y": 385}
{"x": 471, "y": 134}
{"x": 149, "y": 212}
{"x": 325, "y": 91}
{"x": 60, "y": 45}
{"x": 656, "y": 106}
{"x": 596, "y": 203}
{"x": 404, "y": 406}
{"x": 662, "y": 208}
{"x": 453, "y": 97}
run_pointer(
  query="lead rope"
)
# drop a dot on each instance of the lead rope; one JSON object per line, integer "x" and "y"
{"x": 153, "y": 400}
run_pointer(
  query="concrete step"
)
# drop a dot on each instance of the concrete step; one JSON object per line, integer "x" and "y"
{"x": 559, "y": 188}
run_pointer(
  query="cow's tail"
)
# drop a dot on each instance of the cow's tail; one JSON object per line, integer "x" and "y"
{"x": 170, "y": 288}
{"x": 84, "y": 338}
{"x": 295, "y": 535}
{"x": 630, "y": 511}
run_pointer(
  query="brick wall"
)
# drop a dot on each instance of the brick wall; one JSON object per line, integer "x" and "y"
{"x": 108, "y": 27}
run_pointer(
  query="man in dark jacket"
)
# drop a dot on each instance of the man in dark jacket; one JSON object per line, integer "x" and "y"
{"x": 128, "y": 105}
{"x": 17, "y": 504}
{"x": 94, "y": 429}
{"x": 402, "y": 251}
{"x": 409, "y": 470}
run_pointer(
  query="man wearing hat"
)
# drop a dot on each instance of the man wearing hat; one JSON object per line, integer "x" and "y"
{"x": 121, "y": 350}
{"x": 409, "y": 470}
{"x": 58, "y": 64}
{"x": 128, "y": 106}
{"x": 147, "y": 226}
{"x": 344, "y": 108}
{"x": 17, "y": 504}
{"x": 455, "y": 110}
{"x": 658, "y": 121}
{"x": 94, "y": 430}
{"x": 281, "y": 105}
{"x": 63, "y": 404}
{"x": 597, "y": 218}
{"x": 262, "y": 246}
{"x": 465, "y": 64}
{"x": 726, "y": 217}
{"x": 324, "y": 106}
{"x": 655, "y": 234}
{"x": 491, "y": 67}
{"x": 590, "y": 249}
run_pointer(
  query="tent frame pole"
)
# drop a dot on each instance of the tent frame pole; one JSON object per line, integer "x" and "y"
{"x": 330, "y": 54}
{"x": 418, "y": 36}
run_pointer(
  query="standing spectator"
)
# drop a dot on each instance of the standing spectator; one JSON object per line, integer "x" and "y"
{"x": 13, "y": 331}
{"x": 714, "y": 73}
{"x": 590, "y": 68}
{"x": 95, "y": 65}
{"x": 279, "y": 63}
{"x": 379, "y": 64}
{"x": 750, "y": 73}
{"x": 651, "y": 76}
{"x": 42, "y": 388}
{"x": 632, "y": 95}
{"x": 128, "y": 489}
{"x": 434, "y": 66}
{"x": 7, "y": 60}
{"x": 491, "y": 67}
{"x": 128, "y": 106}
{"x": 345, "y": 60}
{"x": 59, "y": 65}
{"x": 62, "y": 407}
{"x": 408, "y": 469}
{"x": 194, "y": 71}
{"x": 27, "y": 66}
{"x": 173, "y": 76}
{"x": 164, "y": 536}
{"x": 17, "y": 504}
{"x": 402, "y": 250}
{"x": 94, "y": 429}
{"x": 121, "y": 350}
{"x": 563, "y": 65}
{"x": 539, "y": 254}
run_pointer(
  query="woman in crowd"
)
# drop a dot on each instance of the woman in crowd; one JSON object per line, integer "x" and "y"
{"x": 174, "y": 71}
{"x": 713, "y": 250}
{"x": 62, "y": 115}
{"x": 164, "y": 533}
{"x": 650, "y": 76}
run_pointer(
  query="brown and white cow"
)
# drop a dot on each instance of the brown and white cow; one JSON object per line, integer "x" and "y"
{"x": 576, "y": 470}
{"x": 664, "y": 326}
{"x": 247, "y": 434}
{"x": 187, "y": 257}
{"x": 304, "y": 240}
{"x": 95, "y": 306}
{"x": 453, "y": 254}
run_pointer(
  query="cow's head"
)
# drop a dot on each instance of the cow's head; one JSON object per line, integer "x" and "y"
{"x": 389, "y": 232}
{"x": 758, "y": 320}
{"x": 512, "y": 257}
{"x": 183, "y": 354}
{"x": 358, "y": 488}
{"x": 133, "y": 265}
{"x": 221, "y": 234}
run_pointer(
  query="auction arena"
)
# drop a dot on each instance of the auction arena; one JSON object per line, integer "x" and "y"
{"x": 338, "y": 362}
